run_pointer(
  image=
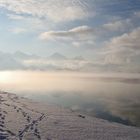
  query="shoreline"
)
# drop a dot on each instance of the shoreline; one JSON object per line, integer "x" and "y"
{"x": 36, "y": 121}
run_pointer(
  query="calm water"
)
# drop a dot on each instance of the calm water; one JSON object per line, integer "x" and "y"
{"x": 115, "y": 97}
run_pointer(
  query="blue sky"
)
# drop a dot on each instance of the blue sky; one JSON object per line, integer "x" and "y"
{"x": 104, "y": 32}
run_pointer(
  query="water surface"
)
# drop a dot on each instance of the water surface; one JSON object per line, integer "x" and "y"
{"x": 114, "y": 97}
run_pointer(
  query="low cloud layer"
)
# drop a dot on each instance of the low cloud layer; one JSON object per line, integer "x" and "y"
{"x": 59, "y": 62}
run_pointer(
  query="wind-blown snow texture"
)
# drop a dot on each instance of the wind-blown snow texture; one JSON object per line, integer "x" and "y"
{"x": 23, "y": 119}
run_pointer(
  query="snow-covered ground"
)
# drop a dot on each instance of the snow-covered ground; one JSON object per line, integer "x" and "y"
{"x": 24, "y": 119}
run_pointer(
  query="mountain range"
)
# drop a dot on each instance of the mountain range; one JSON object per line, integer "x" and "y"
{"x": 21, "y": 61}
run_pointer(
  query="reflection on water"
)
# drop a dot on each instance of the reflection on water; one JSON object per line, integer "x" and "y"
{"x": 115, "y": 97}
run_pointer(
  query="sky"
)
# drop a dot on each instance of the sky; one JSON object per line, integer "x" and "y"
{"x": 73, "y": 35}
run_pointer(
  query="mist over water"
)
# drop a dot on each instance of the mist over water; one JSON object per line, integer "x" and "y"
{"x": 114, "y": 97}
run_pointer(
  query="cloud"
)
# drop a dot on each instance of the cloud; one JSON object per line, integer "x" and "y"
{"x": 128, "y": 40}
{"x": 31, "y": 23}
{"x": 137, "y": 14}
{"x": 56, "y": 10}
{"x": 78, "y": 35}
{"x": 84, "y": 31}
{"x": 70, "y": 34}
{"x": 83, "y": 35}
{"x": 15, "y": 17}
{"x": 123, "y": 51}
{"x": 119, "y": 25}
{"x": 43, "y": 64}
{"x": 18, "y": 30}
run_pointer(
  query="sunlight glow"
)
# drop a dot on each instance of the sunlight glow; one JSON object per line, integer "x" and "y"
{"x": 6, "y": 77}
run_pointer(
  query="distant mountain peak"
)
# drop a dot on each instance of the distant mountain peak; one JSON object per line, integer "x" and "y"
{"x": 57, "y": 56}
{"x": 79, "y": 57}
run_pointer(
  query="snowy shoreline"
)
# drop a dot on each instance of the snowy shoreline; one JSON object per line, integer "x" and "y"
{"x": 24, "y": 119}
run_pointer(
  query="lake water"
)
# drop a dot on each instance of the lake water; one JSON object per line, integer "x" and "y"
{"x": 114, "y": 97}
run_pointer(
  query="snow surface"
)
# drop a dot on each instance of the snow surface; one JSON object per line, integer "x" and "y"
{"x": 24, "y": 119}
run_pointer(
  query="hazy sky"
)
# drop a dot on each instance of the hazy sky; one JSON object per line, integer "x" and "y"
{"x": 104, "y": 32}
